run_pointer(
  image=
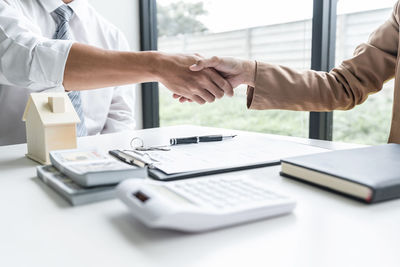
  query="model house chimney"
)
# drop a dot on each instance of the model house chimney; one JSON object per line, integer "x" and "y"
{"x": 57, "y": 104}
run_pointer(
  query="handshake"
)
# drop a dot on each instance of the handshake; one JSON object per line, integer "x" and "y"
{"x": 197, "y": 79}
{"x": 190, "y": 77}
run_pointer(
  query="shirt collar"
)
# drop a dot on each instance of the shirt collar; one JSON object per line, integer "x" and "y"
{"x": 78, "y": 6}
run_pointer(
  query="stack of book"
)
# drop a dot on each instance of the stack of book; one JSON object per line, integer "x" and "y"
{"x": 85, "y": 176}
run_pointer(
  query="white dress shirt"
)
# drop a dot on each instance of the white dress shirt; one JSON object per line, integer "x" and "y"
{"x": 30, "y": 61}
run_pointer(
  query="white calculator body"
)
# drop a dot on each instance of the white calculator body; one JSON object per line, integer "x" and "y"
{"x": 201, "y": 204}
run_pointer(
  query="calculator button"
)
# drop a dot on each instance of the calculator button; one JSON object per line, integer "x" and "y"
{"x": 223, "y": 193}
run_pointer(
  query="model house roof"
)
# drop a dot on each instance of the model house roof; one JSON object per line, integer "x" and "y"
{"x": 53, "y": 108}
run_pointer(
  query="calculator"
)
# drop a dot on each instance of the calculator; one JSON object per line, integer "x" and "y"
{"x": 201, "y": 204}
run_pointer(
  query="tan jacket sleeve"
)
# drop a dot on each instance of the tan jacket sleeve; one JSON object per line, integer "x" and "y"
{"x": 349, "y": 84}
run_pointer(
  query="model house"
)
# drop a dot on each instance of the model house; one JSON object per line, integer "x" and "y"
{"x": 50, "y": 124}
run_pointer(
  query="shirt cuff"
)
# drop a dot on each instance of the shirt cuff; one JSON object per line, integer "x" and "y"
{"x": 48, "y": 63}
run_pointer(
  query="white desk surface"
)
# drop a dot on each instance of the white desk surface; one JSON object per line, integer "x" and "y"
{"x": 39, "y": 228}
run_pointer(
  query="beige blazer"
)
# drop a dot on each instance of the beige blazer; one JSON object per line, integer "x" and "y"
{"x": 349, "y": 84}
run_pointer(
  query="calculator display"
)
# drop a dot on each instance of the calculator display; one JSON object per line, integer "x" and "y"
{"x": 141, "y": 196}
{"x": 169, "y": 194}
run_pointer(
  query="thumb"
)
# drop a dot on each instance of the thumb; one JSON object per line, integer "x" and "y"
{"x": 205, "y": 63}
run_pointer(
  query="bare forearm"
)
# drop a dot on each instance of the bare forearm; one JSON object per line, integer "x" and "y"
{"x": 88, "y": 67}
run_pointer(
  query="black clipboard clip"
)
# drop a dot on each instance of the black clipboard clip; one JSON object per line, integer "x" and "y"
{"x": 130, "y": 159}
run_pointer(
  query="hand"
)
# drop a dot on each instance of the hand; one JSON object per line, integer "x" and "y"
{"x": 201, "y": 86}
{"x": 236, "y": 71}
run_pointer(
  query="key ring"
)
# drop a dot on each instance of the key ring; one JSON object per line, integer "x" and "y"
{"x": 142, "y": 147}
{"x": 142, "y": 154}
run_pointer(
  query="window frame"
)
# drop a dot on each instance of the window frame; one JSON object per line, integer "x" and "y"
{"x": 322, "y": 59}
{"x": 148, "y": 41}
{"x": 323, "y": 50}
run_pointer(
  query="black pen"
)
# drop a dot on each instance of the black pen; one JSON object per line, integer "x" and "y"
{"x": 197, "y": 139}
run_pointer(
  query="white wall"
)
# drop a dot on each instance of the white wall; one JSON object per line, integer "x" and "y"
{"x": 125, "y": 15}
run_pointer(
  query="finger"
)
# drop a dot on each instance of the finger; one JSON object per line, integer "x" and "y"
{"x": 181, "y": 98}
{"x": 220, "y": 82}
{"x": 211, "y": 86}
{"x": 205, "y": 63}
{"x": 198, "y": 55}
{"x": 205, "y": 94}
{"x": 198, "y": 99}
{"x": 187, "y": 99}
{"x": 184, "y": 99}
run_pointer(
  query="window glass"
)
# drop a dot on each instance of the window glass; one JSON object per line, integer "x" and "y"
{"x": 264, "y": 30}
{"x": 368, "y": 123}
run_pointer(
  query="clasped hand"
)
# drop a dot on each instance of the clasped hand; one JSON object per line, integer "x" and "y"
{"x": 212, "y": 77}
{"x": 201, "y": 86}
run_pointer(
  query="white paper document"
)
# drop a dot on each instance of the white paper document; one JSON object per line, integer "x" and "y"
{"x": 239, "y": 151}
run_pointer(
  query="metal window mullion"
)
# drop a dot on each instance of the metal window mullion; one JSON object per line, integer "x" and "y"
{"x": 148, "y": 41}
{"x": 323, "y": 59}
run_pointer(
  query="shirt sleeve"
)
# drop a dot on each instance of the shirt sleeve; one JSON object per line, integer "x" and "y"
{"x": 349, "y": 84}
{"x": 121, "y": 113}
{"x": 28, "y": 60}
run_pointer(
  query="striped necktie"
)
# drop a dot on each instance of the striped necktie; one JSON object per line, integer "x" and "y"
{"x": 62, "y": 15}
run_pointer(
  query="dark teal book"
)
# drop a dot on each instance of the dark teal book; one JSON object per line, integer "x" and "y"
{"x": 370, "y": 174}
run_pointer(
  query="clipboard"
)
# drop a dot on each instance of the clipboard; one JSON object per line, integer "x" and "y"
{"x": 157, "y": 174}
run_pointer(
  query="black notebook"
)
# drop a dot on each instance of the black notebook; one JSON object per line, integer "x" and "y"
{"x": 370, "y": 174}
